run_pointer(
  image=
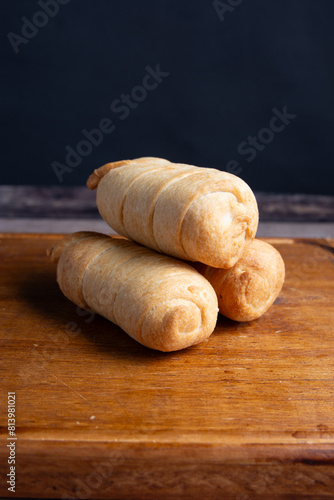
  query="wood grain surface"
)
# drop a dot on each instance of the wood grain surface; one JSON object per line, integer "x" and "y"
{"x": 249, "y": 414}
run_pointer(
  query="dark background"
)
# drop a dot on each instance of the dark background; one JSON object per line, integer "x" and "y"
{"x": 225, "y": 78}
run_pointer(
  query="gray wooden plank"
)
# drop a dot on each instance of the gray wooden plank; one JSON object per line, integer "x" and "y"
{"x": 58, "y": 225}
{"x": 79, "y": 202}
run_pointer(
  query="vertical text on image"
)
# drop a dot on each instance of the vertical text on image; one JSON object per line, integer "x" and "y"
{"x": 11, "y": 445}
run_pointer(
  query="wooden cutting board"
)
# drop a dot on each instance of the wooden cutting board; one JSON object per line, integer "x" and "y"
{"x": 249, "y": 414}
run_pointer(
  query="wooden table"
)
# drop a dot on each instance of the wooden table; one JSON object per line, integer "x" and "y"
{"x": 249, "y": 414}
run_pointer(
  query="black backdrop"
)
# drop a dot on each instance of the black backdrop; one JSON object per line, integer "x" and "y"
{"x": 242, "y": 85}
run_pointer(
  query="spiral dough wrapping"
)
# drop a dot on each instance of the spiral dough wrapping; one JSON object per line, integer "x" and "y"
{"x": 162, "y": 303}
{"x": 192, "y": 213}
